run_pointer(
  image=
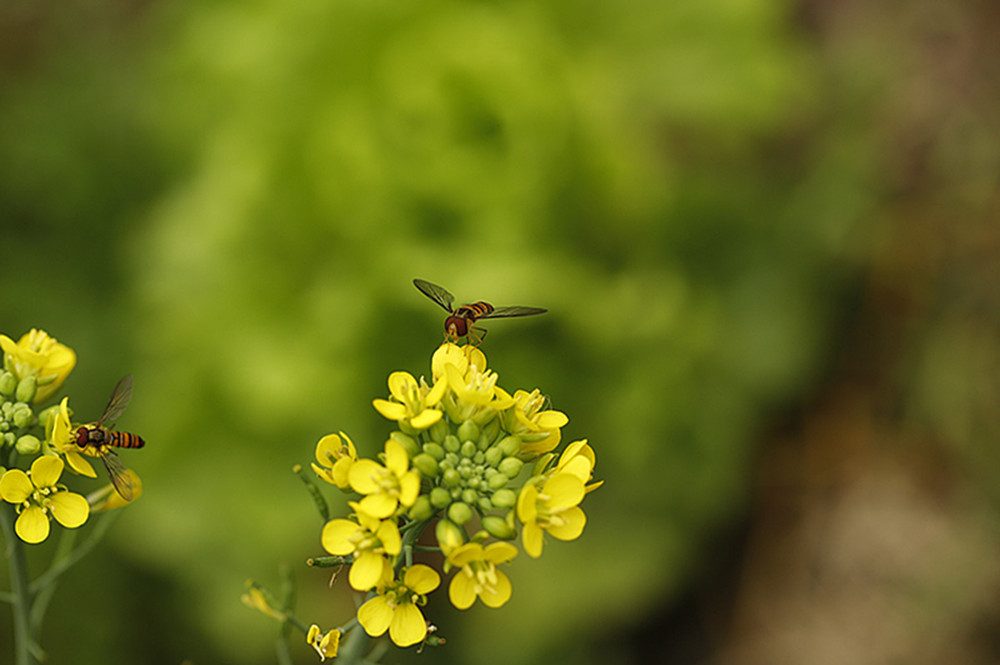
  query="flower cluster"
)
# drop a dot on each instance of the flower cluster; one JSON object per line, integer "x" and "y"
{"x": 473, "y": 460}
{"x": 34, "y": 369}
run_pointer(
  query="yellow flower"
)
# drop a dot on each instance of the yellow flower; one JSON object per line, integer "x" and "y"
{"x": 39, "y": 498}
{"x": 413, "y": 402}
{"x": 459, "y": 356}
{"x": 59, "y": 437}
{"x": 553, "y": 508}
{"x": 373, "y": 542}
{"x": 325, "y": 644}
{"x": 579, "y": 459}
{"x": 396, "y": 608}
{"x": 335, "y": 459}
{"x": 479, "y": 577}
{"x": 39, "y": 356}
{"x": 537, "y": 427}
{"x": 386, "y": 487}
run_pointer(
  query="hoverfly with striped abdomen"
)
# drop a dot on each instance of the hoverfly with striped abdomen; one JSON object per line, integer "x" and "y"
{"x": 461, "y": 319}
{"x": 97, "y": 439}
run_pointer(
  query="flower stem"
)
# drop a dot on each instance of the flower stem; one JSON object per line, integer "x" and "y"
{"x": 25, "y": 647}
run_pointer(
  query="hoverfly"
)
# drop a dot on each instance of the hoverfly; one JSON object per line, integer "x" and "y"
{"x": 97, "y": 439}
{"x": 461, "y": 319}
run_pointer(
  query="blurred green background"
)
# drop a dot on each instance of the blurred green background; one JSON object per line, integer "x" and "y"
{"x": 765, "y": 231}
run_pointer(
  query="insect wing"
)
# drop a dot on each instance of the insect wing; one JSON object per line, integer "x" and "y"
{"x": 438, "y": 294}
{"x": 516, "y": 310}
{"x": 118, "y": 473}
{"x": 119, "y": 399}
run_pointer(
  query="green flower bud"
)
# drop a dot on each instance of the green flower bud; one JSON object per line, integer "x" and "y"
{"x": 534, "y": 437}
{"x": 510, "y": 467}
{"x": 493, "y": 455}
{"x": 452, "y": 478}
{"x": 421, "y": 508}
{"x": 9, "y": 438}
{"x": 468, "y": 431}
{"x": 26, "y": 389}
{"x": 22, "y": 416}
{"x": 479, "y": 457}
{"x": 498, "y": 528}
{"x": 497, "y": 481}
{"x": 439, "y": 430}
{"x": 504, "y": 498}
{"x": 28, "y": 445}
{"x": 440, "y": 497}
{"x": 459, "y": 513}
{"x": 484, "y": 504}
{"x": 409, "y": 444}
{"x": 434, "y": 450}
{"x": 426, "y": 465}
{"x": 4, "y": 426}
{"x": 45, "y": 414}
{"x": 468, "y": 449}
{"x": 469, "y": 496}
{"x": 489, "y": 431}
{"x": 449, "y": 535}
{"x": 510, "y": 445}
{"x": 8, "y": 384}
{"x": 452, "y": 444}
{"x": 465, "y": 471}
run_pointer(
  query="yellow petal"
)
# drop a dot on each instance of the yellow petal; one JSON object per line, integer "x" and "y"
{"x": 407, "y": 626}
{"x": 527, "y": 510}
{"x": 500, "y": 552}
{"x": 79, "y": 463}
{"x": 570, "y": 525}
{"x": 409, "y": 488}
{"x": 32, "y": 525}
{"x": 436, "y": 393}
{"x": 366, "y": 571}
{"x": 390, "y": 410}
{"x": 426, "y": 418}
{"x": 364, "y": 474}
{"x": 498, "y": 593}
{"x": 396, "y": 459}
{"x": 336, "y": 536}
{"x": 563, "y": 490}
{"x": 446, "y": 354}
{"x": 388, "y": 535}
{"x": 421, "y": 579}
{"x": 15, "y": 486}
{"x": 531, "y": 537}
{"x": 45, "y": 470}
{"x": 378, "y": 505}
{"x": 401, "y": 384}
{"x": 462, "y": 590}
{"x": 551, "y": 419}
{"x": 327, "y": 448}
{"x": 375, "y": 616}
{"x": 70, "y": 509}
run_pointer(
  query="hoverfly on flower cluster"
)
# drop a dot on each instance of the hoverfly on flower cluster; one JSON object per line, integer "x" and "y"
{"x": 97, "y": 439}
{"x": 461, "y": 319}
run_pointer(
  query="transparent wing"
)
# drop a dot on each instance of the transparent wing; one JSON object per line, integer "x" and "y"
{"x": 119, "y": 399}
{"x": 438, "y": 294}
{"x": 516, "y": 310}
{"x": 118, "y": 473}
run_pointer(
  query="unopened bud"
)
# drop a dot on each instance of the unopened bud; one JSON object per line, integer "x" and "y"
{"x": 504, "y": 498}
{"x": 8, "y": 384}
{"x": 426, "y": 465}
{"x": 449, "y": 535}
{"x": 497, "y": 527}
{"x": 468, "y": 431}
{"x": 27, "y": 445}
{"x": 26, "y": 389}
{"x": 460, "y": 513}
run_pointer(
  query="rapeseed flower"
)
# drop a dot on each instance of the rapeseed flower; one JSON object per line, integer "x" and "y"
{"x": 478, "y": 576}
{"x": 335, "y": 459}
{"x": 40, "y": 356}
{"x": 553, "y": 508}
{"x": 39, "y": 498}
{"x": 396, "y": 608}
{"x": 385, "y": 487}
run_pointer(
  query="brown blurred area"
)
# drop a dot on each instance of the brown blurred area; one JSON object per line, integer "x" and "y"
{"x": 873, "y": 536}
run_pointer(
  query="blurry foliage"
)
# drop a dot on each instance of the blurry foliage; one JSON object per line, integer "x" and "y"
{"x": 229, "y": 201}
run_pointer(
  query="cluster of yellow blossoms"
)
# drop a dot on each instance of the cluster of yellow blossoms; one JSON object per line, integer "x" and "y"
{"x": 468, "y": 457}
{"x": 34, "y": 369}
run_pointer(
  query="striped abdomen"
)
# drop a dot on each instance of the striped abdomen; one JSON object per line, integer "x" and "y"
{"x": 102, "y": 436}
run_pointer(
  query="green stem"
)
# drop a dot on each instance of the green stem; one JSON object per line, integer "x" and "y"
{"x": 25, "y": 647}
